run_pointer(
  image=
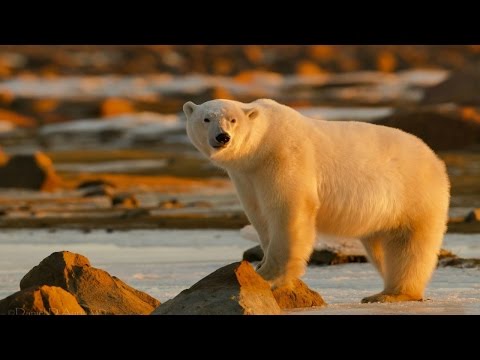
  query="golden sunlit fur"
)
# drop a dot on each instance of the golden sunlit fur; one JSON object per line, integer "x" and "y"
{"x": 296, "y": 176}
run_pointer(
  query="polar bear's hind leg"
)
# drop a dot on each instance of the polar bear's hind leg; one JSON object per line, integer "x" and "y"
{"x": 410, "y": 259}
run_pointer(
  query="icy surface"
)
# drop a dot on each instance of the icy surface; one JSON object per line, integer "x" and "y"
{"x": 164, "y": 262}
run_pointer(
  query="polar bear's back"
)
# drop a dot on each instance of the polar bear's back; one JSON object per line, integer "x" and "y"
{"x": 371, "y": 173}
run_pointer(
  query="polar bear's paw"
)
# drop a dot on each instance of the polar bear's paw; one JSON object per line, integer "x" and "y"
{"x": 390, "y": 298}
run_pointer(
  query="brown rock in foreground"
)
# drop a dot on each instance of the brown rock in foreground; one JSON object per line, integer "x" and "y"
{"x": 42, "y": 300}
{"x": 95, "y": 290}
{"x": 235, "y": 289}
{"x": 300, "y": 296}
{"x": 31, "y": 171}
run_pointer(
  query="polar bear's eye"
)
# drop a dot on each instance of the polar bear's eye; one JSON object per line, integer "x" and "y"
{"x": 206, "y": 120}
{"x": 233, "y": 121}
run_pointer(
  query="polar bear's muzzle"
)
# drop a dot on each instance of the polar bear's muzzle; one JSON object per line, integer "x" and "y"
{"x": 220, "y": 140}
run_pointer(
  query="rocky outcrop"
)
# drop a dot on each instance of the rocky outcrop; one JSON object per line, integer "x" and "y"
{"x": 31, "y": 171}
{"x": 473, "y": 216}
{"x": 461, "y": 87}
{"x": 329, "y": 257}
{"x": 235, "y": 289}
{"x": 442, "y": 128}
{"x": 447, "y": 258}
{"x": 298, "y": 296}
{"x": 460, "y": 262}
{"x": 96, "y": 291}
{"x": 41, "y": 300}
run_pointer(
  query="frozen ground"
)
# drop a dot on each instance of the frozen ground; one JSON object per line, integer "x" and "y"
{"x": 164, "y": 262}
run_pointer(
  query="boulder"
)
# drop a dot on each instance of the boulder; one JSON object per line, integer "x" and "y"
{"x": 235, "y": 289}
{"x": 253, "y": 254}
{"x": 124, "y": 200}
{"x": 473, "y": 216}
{"x": 17, "y": 119}
{"x": 328, "y": 257}
{"x": 298, "y": 296}
{"x": 458, "y": 262}
{"x": 29, "y": 171}
{"x": 96, "y": 291}
{"x": 41, "y": 300}
{"x": 440, "y": 128}
{"x": 94, "y": 183}
{"x": 95, "y": 191}
{"x": 447, "y": 258}
{"x": 3, "y": 157}
{"x": 461, "y": 87}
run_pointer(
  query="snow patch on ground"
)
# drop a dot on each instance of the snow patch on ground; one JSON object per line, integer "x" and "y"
{"x": 165, "y": 262}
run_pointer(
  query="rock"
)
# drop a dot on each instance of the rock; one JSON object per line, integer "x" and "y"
{"x": 473, "y": 216}
{"x": 3, "y": 157}
{"x": 235, "y": 289}
{"x": 94, "y": 183}
{"x": 458, "y": 262}
{"x": 441, "y": 129}
{"x": 199, "y": 204}
{"x": 171, "y": 204}
{"x": 125, "y": 200}
{"x": 447, "y": 258}
{"x": 98, "y": 191}
{"x": 253, "y": 254}
{"x": 32, "y": 171}
{"x": 17, "y": 119}
{"x": 96, "y": 291}
{"x": 328, "y": 257}
{"x": 300, "y": 296}
{"x": 461, "y": 87}
{"x": 41, "y": 300}
{"x": 135, "y": 213}
{"x": 318, "y": 257}
{"x": 443, "y": 254}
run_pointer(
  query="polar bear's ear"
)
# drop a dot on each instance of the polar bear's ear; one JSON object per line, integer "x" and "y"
{"x": 251, "y": 113}
{"x": 188, "y": 108}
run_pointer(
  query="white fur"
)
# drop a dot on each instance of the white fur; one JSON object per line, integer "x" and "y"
{"x": 297, "y": 176}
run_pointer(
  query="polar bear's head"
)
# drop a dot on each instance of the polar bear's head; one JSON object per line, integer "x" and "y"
{"x": 219, "y": 129}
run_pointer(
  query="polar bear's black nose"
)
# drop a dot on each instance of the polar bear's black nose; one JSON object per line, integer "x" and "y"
{"x": 223, "y": 138}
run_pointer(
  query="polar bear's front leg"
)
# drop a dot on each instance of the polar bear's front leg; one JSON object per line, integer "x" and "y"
{"x": 291, "y": 243}
{"x": 251, "y": 205}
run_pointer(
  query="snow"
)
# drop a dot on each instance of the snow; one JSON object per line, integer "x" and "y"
{"x": 118, "y": 122}
{"x": 165, "y": 262}
{"x": 117, "y": 166}
{"x": 123, "y": 130}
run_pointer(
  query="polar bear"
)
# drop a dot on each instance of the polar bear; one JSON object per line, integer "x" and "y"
{"x": 296, "y": 176}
